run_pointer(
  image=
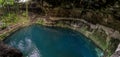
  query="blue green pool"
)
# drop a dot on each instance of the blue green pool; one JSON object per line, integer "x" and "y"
{"x": 41, "y": 41}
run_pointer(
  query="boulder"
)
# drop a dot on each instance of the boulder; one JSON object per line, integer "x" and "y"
{"x": 7, "y": 51}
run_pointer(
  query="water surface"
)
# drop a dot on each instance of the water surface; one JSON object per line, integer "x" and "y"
{"x": 41, "y": 41}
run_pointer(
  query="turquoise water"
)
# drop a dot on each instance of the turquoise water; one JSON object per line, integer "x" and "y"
{"x": 41, "y": 41}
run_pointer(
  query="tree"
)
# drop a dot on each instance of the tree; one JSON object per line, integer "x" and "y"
{"x": 6, "y": 4}
{"x": 27, "y": 10}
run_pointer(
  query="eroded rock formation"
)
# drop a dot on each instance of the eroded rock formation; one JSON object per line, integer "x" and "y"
{"x": 7, "y": 51}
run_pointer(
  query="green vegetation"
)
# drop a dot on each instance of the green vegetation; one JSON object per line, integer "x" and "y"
{"x": 7, "y": 20}
{"x": 96, "y": 37}
{"x": 11, "y": 22}
{"x": 104, "y": 12}
{"x": 40, "y": 21}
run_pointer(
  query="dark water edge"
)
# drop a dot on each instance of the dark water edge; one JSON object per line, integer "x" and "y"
{"x": 58, "y": 29}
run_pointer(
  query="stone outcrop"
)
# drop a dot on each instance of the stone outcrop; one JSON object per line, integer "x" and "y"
{"x": 76, "y": 22}
{"x": 7, "y": 51}
{"x": 117, "y": 52}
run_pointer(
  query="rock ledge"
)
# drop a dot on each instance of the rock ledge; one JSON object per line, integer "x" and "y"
{"x": 7, "y": 51}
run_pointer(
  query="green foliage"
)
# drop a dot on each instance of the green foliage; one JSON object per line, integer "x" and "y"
{"x": 1, "y": 1}
{"x": 2, "y": 36}
{"x": 24, "y": 14}
{"x": 40, "y": 21}
{"x": 6, "y": 2}
{"x": 59, "y": 24}
{"x": 9, "y": 19}
{"x": 11, "y": 2}
{"x": 3, "y": 26}
{"x": 113, "y": 44}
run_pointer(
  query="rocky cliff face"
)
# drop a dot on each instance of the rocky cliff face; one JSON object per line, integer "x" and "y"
{"x": 6, "y": 51}
{"x": 104, "y": 12}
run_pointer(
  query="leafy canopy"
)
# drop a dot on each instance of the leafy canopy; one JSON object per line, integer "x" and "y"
{"x": 6, "y": 2}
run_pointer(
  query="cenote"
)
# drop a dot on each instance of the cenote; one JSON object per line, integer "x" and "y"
{"x": 41, "y": 41}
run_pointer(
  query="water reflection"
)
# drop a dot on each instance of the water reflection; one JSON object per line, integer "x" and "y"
{"x": 27, "y": 47}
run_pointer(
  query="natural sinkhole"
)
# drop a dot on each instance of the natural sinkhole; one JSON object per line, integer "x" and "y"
{"x": 42, "y": 41}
